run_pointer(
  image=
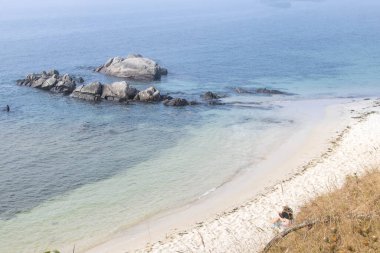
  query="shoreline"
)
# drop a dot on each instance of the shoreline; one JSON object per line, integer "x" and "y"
{"x": 182, "y": 228}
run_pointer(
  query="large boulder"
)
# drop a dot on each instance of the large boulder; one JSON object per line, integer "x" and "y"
{"x": 90, "y": 92}
{"x": 119, "y": 91}
{"x": 134, "y": 67}
{"x": 149, "y": 95}
{"x": 50, "y": 80}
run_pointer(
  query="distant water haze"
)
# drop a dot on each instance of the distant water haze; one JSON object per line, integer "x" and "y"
{"x": 46, "y": 8}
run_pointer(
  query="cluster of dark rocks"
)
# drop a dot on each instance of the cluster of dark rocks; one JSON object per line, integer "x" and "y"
{"x": 134, "y": 67}
{"x": 96, "y": 91}
{"x": 122, "y": 91}
{"x": 52, "y": 81}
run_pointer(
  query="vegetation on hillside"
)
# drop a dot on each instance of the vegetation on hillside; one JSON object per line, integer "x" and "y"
{"x": 344, "y": 220}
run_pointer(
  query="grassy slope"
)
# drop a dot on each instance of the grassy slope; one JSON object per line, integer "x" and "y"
{"x": 354, "y": 220}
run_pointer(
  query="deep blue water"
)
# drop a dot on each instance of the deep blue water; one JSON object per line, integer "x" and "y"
{"x": 51, "y": 145}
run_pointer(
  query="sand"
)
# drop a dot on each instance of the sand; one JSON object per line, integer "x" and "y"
{"x": 237, "y": 217}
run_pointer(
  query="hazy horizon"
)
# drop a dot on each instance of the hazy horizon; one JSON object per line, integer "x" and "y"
{"x": 44, "y": 8}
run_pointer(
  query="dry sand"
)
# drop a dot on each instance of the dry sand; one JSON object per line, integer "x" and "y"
{"x": 347, "y": 141}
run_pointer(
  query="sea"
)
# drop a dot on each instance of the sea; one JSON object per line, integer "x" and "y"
{"x": 74, "y": 172}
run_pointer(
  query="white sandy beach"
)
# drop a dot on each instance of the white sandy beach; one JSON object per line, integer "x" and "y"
{"x": 236, "y": 217}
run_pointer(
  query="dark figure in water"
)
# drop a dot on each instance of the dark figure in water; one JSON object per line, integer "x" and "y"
{"x": 7, "y": 108}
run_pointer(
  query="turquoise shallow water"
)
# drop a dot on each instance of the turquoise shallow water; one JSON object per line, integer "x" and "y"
{"x": 68, "y": 165}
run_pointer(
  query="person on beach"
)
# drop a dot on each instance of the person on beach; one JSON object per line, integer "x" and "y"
{"x": 285, "y": 218}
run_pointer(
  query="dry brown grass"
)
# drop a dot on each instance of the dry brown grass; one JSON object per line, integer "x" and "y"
{"x": 353, "y": 214}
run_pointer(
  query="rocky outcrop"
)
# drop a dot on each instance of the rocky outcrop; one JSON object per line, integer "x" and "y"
{"x": 119, "y": 91}
{"x": 149, "y": 95}
{"x": 134, "y": 67}
{"x": 90, "y": 92}
{"x": 96, "y": 91}
{"x": 263, "y": 91}
{"x": 51, "y": 81}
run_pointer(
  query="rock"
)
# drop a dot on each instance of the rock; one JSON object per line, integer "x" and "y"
{"x": 29, "y": 79}
{"x": 120, "y": 91}
{"x": 90, "y": 92}
{"x": 215, "y": 102}
{"x": 80, "y": 80}
{"x": 241, "y": 90}
{"x": 149, "y": 95}
{"x": 193, "y": 102}
{"x": 92, "y": 88}
{"x": 269, "y": 91}
{"x": 134, "y": 67}
{"x": 261, "y": 91}
{"x": 166, "y": 97}
{"x": 49, "y": 83}
{"x": 210, "y": 96}
{"x": 52, "y": 81}
{"x": 39, "y": 82}
{"x": 53, "y": 72}
{"x": 176, "y": 102}
{"x": 134, "y": 56}
{"x": 163, "y": 71}
{"x": 66, "y": 85}
{"x": 23, "y": 82}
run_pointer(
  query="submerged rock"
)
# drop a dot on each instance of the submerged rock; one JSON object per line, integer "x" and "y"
{"x": 210, "y": 96}
{"x": 90, "y": 92}
{"x": 269, "y": 91}
{"x": 134, "y": 67}
{"x": 260, "y": 91}
{"x": 242, "y": 90}
{"x": 149, "y": 95}
{"x": 176, "y": 102}
{"x": 119, "y": 91}
{"x": 216, "y": 102}
{"x": 166, "y": 97}
{"x": 51, "y": 81}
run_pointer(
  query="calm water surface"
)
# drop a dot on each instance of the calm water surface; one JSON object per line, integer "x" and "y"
{"x": 98, "y": 168}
